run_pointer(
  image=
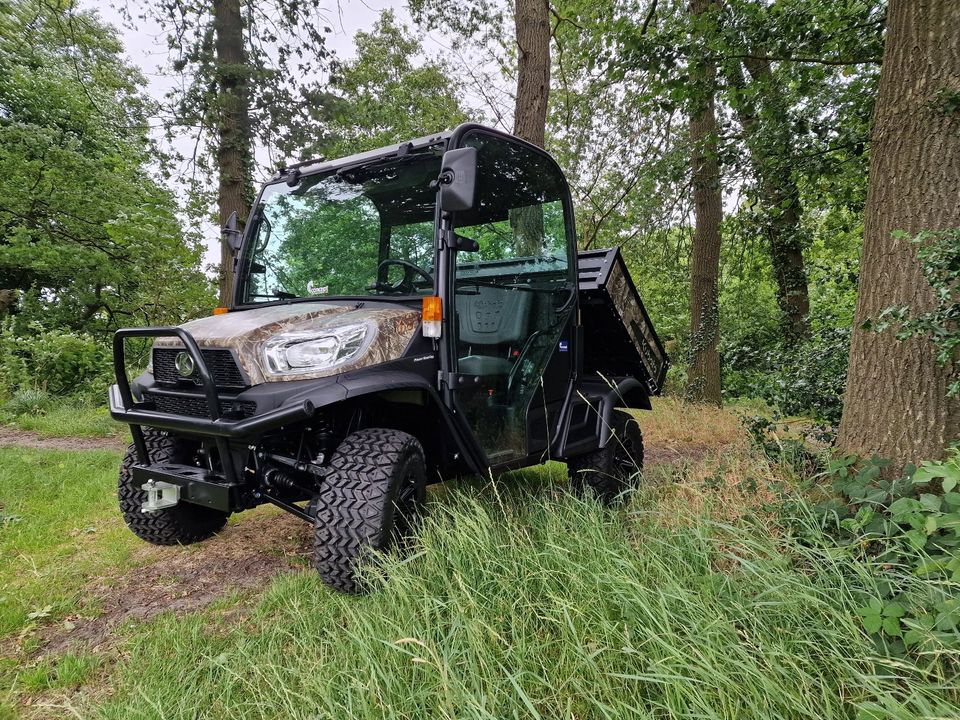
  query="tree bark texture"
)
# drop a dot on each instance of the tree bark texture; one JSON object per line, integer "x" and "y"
{"x": 234, "y": 141}
{"x": 703, "y": 373}
{"x": 8, "y": 300}
{"x": 532, "y": 18}
{"x": 769, "y": 141}
{"x": 895, "y": 403}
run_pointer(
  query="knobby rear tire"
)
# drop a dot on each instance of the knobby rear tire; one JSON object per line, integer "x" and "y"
{"x": 606, "y": 473}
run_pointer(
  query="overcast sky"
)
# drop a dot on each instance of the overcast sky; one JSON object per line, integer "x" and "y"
{"x": 147, "y": 50}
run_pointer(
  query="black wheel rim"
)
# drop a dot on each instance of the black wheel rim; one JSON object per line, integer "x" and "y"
{"x": 627, "y": 460}
{"x": 406, "y": 504}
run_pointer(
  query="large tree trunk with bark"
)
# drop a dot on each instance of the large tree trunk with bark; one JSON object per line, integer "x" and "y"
{"x": 896, "y": 404}
{"x": 532, "y": 18}
{"x": 234, "y": 141}
{"x": 770, "y": 143}
{"x": 703, "y": 374}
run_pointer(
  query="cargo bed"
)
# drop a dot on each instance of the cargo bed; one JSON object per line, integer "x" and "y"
{"x": 619, "y": 339}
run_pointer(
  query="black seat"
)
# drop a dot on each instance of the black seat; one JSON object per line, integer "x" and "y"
{"x": 492, "y": 322}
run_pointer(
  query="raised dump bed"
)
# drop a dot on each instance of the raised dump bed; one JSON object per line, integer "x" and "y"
{"x": 619, "y": 338}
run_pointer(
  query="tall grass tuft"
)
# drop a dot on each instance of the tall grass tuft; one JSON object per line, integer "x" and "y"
{"x": 522, "y": 602}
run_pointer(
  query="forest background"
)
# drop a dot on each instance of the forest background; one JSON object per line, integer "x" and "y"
{"x": 724, "y": 145}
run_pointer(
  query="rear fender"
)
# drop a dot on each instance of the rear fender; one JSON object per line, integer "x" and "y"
{"x": 590, "y": 417}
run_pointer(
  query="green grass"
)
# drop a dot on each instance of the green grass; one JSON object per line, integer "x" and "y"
{"x": 520, "y": 603}
{"x": 69, "y": 420}
{"x": 59, "y": 530}
{"x": 59, "y": 527}
{"x": 517, "y": 601}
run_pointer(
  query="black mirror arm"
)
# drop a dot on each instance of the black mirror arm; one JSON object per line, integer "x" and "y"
{"x": 466, "y": 244}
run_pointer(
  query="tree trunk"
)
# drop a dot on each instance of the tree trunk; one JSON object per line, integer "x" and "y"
{"x": 703, "y": 374}
{"x": 234, "y": 142}
{"x": 896, "y": 404}
{"x": 770, "y": 153}
{"x": 8, "y": 301}
{"x": 532, "y": 18}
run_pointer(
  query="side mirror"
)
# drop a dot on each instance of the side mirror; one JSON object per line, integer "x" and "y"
{"x": 231, "y": 231}
{"x": 458, "y": 179}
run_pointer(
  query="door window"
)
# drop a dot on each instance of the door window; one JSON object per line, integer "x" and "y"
{"x": 514, "y": 294}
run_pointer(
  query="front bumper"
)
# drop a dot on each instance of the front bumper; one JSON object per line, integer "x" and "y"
{"x": 125, "y": 408}
{"x": 137, "y": 413}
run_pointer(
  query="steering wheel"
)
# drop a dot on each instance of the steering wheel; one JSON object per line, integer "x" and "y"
{"x": 405, "y": 285}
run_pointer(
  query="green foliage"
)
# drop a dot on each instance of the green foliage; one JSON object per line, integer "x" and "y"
{"x": 781, "y": 444}
{"x": 385, "y": 95}
{"x": 803, "y": 375}
{"x": 909, "y": 523}
{"x": 85, "y": 232}
{"x": 28, "y": 401}
{"x": 54, "y": 361}
{"x": 939, "y": 255}
{"x": 807, "y": 377}
{"x": 284, "y": 51}
{"x": 617, "y": 117}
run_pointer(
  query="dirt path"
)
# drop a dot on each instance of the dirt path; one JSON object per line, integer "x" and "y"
{"x": 15, "y": 437}
{"x": 245, "y": 555}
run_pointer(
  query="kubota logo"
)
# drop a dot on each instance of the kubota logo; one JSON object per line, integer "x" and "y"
{"x": 184, "y": 364}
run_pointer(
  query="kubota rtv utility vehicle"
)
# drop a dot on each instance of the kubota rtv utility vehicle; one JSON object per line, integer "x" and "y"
{"x": 400, "y": 317}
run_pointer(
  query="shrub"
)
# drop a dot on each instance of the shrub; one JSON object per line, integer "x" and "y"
{"x": 58, "y": 362}
{"x": 28, "y": 401}
{"x": 806, "y": 378}
{"x": 904, "y": 526}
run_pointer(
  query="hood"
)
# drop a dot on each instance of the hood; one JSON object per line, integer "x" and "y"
{"x": 245, "y": 331}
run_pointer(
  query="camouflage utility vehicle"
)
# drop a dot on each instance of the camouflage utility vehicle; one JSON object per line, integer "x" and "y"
{"x": 400, "y": 317}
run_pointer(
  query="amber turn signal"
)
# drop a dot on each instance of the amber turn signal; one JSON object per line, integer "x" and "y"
{"x": 220, "y": 310}
{"x": 432, "y": 315}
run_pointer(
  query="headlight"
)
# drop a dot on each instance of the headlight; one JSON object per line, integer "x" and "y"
{"x": 306, "y": 351}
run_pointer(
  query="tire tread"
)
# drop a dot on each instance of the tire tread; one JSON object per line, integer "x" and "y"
{"x": 181, "y": 524}
{"x": 354, "y": 507}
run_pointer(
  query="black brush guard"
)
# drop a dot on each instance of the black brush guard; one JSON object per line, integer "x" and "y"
{"x": 126, "y": 409}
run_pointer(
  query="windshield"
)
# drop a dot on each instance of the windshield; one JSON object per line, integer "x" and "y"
{"x": 368, "y": 230}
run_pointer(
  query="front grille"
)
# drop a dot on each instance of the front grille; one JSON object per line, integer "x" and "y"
{"x": 223, "y": 368}
{"x": 196, "y": 405}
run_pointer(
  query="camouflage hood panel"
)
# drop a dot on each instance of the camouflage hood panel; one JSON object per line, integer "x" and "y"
{"x": 244, "y": 332}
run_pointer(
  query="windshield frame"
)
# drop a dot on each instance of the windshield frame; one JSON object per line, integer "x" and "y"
{"x": 245, "y": 256}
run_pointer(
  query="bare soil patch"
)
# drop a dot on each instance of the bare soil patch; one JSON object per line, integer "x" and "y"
{"x": 245, "y": 556}
{"x": 15, "y": 437}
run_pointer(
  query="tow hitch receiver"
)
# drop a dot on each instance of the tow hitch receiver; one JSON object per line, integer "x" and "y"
{"x": 160, "y": 495}
{"x": 168, "y": 484}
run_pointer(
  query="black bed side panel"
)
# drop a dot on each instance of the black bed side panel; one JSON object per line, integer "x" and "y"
{"x": 619, "y": 338}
